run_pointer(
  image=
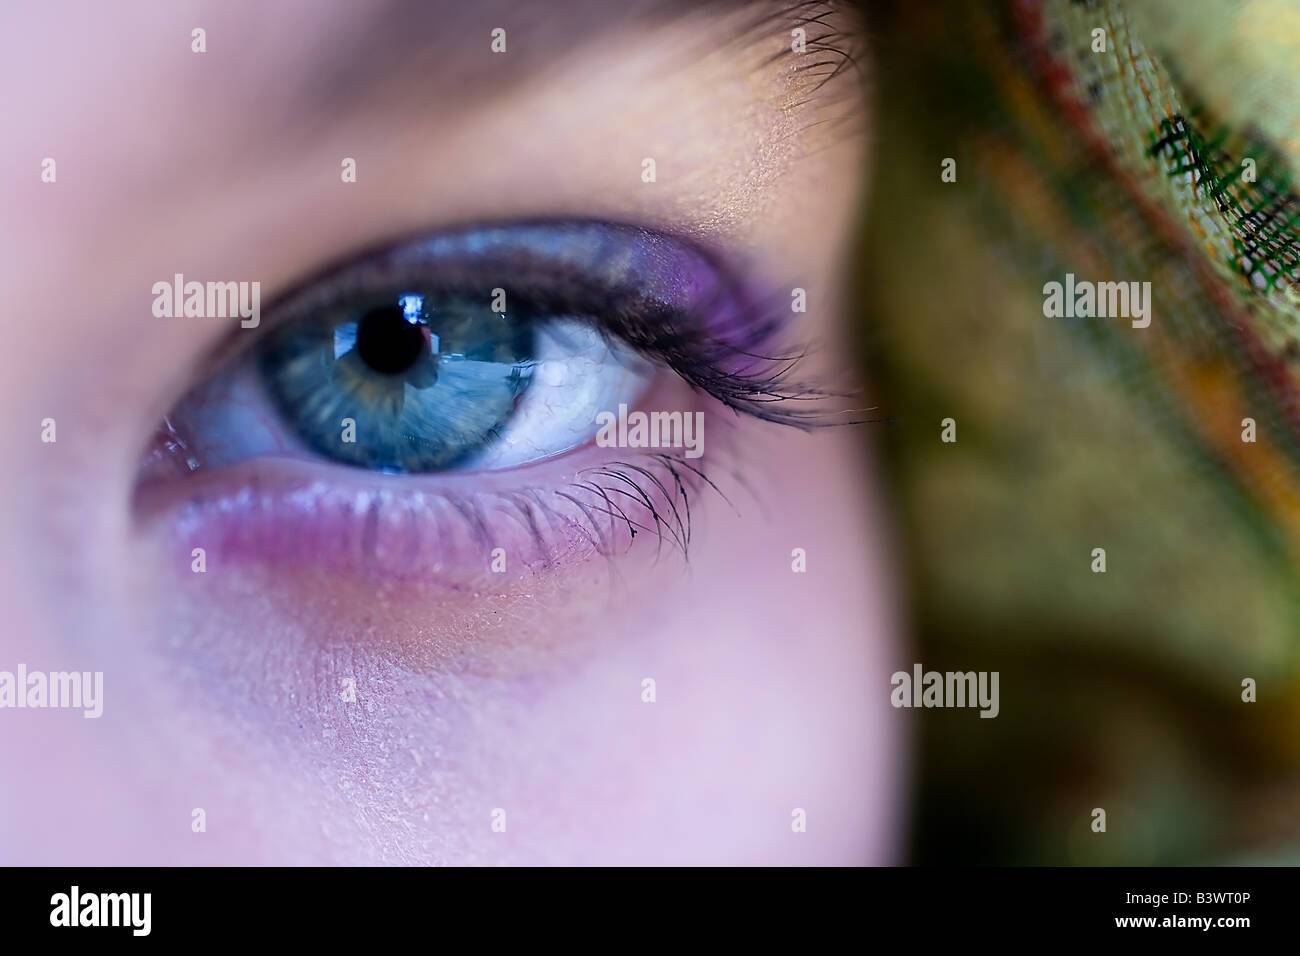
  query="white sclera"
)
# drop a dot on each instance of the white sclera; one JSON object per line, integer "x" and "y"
{"x": 576, "y": 376}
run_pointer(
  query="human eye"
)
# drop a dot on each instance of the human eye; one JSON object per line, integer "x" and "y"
{"x": 417, "y": 410}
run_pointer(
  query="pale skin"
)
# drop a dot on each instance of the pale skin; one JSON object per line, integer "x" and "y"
{"x": 222, "y": 689}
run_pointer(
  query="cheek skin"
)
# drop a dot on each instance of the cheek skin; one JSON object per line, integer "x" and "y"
{"x": 770, "y": 685}
{"x": 532, "y": 702}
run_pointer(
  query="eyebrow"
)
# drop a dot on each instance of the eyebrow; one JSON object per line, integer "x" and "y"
{"x": 446, "y": 46}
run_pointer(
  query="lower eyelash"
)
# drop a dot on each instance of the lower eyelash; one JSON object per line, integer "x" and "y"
{"x": 671, "y": 482}
{"x": 440, "y": 538}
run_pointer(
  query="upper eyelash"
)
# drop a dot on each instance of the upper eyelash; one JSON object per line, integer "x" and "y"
{"x": 734, "y": 361}
{"x": 762, "y": 387}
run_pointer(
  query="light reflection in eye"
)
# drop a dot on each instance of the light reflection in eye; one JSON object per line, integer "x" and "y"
{"x": 345, "y": 339}
{"x": 412, "y": 307}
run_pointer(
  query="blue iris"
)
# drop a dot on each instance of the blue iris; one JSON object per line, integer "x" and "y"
{"x": 406, "y": 380}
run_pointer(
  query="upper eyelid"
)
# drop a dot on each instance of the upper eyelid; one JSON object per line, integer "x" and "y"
{"x": 328, "y": 282}
{"x": 482, "y": 234}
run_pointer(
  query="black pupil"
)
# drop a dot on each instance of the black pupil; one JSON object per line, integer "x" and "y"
{"x": 387, "y": 342}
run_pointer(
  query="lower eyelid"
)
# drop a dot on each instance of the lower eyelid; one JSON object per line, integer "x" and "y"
{"x": 440, "y": 530}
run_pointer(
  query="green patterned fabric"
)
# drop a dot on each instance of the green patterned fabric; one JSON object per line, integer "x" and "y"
{"x": 1120, "y": 690}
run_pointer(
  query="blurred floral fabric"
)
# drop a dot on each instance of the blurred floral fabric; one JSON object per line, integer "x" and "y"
{"x": 1159, "y": 150}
